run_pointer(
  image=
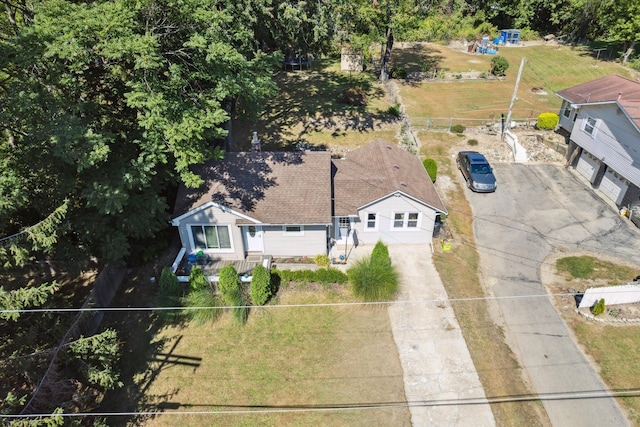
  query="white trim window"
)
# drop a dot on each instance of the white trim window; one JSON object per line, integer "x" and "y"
{"x": 405, "y": 220}
{"x": 567, "y": 111}
{"x": 371, "y": 223}
{"x": 590, "y": 126}
{"x": 211, "y": 237}
{"x": 293, "y": 230}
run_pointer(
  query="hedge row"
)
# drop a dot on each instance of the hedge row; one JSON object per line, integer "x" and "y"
{"x": 323, "y": 275}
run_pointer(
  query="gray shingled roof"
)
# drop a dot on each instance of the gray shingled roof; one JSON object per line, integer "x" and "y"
{"x": 611, "y": 88}
{"x": 271, "y": 187}
{"x": 377, "y": 170}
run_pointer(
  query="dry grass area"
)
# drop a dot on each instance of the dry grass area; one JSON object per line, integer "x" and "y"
{"x": 550, "y": 67}
{"x": 497, "y": 366}
{"x": 293, "y": 366}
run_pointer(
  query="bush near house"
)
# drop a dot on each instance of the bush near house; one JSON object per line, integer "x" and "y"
{"x": 169, "y": 294}
{"x": 260, "y": 290}
{"x": 431, "y": 167}
{"x": 547, "y": 121}
{"x": 197, "y": 279}
{"x": 203, "y": 298}
{"x": 374, "y": 278}
{"x": 230, "y": 287}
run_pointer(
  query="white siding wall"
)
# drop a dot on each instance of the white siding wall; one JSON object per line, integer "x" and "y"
{"x": 385, "y": 210}
{"x": 566, "y": 122}
{"x": 311, "y": 243}
{"x": 213, "y": 216}
{"x": 616, "y": 141}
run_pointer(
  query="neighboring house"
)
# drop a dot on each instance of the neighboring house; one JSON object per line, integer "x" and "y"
{"x": 602, "y": 120}
{"x": 295, "y": 204}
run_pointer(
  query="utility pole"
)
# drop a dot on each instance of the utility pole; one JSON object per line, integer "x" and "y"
{"x": 515, "y": 93}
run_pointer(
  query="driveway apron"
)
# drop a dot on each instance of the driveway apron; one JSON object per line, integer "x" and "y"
{"x": 536, "y": 209}
{"x": 441, "y": 383}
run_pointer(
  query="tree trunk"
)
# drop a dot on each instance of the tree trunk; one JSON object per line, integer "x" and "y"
{"x": 384, "y": 74}
{"x": 628, "y": 52}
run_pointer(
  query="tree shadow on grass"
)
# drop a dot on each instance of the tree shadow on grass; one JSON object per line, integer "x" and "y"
{"x": 417, "y": 57}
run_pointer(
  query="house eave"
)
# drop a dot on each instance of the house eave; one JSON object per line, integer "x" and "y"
{"x": 177, "y": 220}
{"x": 399, "y": 192}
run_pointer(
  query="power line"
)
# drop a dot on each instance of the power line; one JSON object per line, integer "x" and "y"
{"x": 279, "y": 409}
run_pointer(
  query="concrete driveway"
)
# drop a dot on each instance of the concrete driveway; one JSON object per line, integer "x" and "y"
{"x": 536, "y": 209}
{"x": 441, "y": 383}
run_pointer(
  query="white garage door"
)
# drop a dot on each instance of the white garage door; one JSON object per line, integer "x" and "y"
{"x": 613, "y": 186}
{"x": 587, "y": 166}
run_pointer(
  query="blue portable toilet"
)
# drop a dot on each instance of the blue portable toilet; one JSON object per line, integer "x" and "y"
{"x": 510, "y": 36}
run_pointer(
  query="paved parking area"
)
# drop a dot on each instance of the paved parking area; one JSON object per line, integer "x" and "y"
{"x": 538, "y": 209}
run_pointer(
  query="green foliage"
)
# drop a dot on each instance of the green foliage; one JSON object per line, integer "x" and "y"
{"x": 458, "y": 128}
{"x": 322, "y": 260}
{"x": 431, "y": 167}
{"x": 169, "y": 284}
{"x": 197, "y": 279}
{"x": 579, "y": 267}
{"x": 598, "y": 308}
{"x": 395, "y": 110}
{"x": 380, "y": 254}
{"x": 472, "y": 142}
{"x": 372, "y": 281}
{"x": 261, "y": 288}
{"x": 635, "y": 64}
{"x": 323, "y": 276}
{"x": 203, "y": 297}
{"x": 499, "y": 66}
{"x": 398, "y": 73}
{"x": 547, "y": 121}
{"x": 98, "y": 356}
{"x": 25, "y": 297}
{"x": 228, "y": 281}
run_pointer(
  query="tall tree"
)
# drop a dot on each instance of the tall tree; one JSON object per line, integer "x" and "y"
{"x": 622, "y": 23}
{"x": 105, "y": 102}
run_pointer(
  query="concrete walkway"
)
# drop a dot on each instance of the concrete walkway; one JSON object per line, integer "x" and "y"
{"x": 440, "y": 380}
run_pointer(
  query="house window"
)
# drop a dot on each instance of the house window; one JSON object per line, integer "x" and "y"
{"x": 590, "y": 126}
{"x": 406, "y": 220}
{"x": 293, "y": 230}
{"x": 567, "y": 111}
{"x": 372, "y": 221}
{"x": 398, "y": 220}
{"x": 211, "y": 236}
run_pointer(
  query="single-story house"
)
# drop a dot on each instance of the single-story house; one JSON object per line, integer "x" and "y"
{"x": 602, "y": 121}
{"x": 256, "y": 204}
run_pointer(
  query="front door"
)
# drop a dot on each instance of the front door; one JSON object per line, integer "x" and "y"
{"x": 343, "y": 230}
{"x": 253, "y": 238}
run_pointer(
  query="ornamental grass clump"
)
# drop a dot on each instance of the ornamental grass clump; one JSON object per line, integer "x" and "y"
{"x": 210, "y": 303}
{"x": 375, "y": 278}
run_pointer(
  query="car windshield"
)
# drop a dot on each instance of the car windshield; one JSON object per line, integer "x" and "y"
{"x": 480, "y": 169}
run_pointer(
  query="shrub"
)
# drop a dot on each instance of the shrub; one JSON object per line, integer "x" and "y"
{"x": 635, "y": 64}
{"x": 394, "y": 110}
{"x": 229, "y": 280}
{"x": 547, "y": 121}
{"x": 398, "y": 73}
{"x": 260, "y": 286}
{"x": 353, "y": 96}
{"x": 472, "y": 142}
{"x": 169, "y": 284}
{"x": 499, "y": 65}
{"x": 431, "y": 167}
{"x": 380, "y": 255}
{"x": 197, "y": 279}
{"x": 203, "y": 298}
{"x": 457, "y": 129}
{"x": 322, "y": 260}
{"x": 373, "y": 282}
{"x": 598, "y": 308}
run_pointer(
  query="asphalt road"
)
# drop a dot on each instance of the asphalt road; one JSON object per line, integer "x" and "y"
{"x": 536, "y": 209}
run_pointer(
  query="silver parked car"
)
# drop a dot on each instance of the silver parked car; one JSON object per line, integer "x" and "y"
{"x": 476, "y": 171}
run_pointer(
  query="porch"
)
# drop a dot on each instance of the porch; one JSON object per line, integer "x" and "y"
{"x": 211, "y": 265}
